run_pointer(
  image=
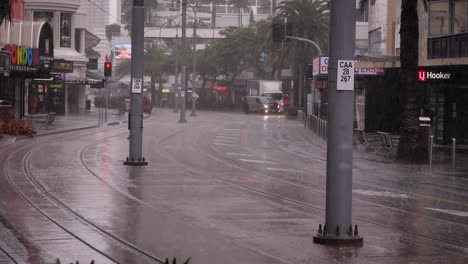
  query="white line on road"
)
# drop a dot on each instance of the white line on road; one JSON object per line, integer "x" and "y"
{"x": 224, "y": 144}
{"x": 452, "y": 212}
{"x": 382, "y": 194}
{"x": 226, "y": 137}
{"x": 257, "y": 161}
{"x": 239, "y": 154}
{"x": 231, "y": 129}
{"x": 284, "y": 170}
{"x": 225, "y": 141}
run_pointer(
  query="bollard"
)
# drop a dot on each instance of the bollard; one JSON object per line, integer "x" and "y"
{"x": 454, "y": 143}
{"x": 431, "y": 146}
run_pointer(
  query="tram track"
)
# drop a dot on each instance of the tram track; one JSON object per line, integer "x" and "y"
{"x": 27, "y": 172}
{"x": 460, "y": 249}
{"x": 454, "y": 248}
{"x": 208, "y": 151}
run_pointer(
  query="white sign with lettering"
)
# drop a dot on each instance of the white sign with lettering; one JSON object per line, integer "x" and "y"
{"x": 137, "y": 85}
{"x": 345, "y": 75}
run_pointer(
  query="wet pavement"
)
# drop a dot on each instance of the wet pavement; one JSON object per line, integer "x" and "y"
{"x": 224, "y": 188}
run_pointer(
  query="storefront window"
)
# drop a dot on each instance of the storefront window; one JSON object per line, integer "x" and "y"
{"x": 65, "y": 30}
{"x": 439, "y": 18}
{"x": 460, "y": 17}
{"x": 375, "y": 41}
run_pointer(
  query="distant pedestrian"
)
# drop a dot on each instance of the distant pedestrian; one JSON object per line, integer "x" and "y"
{"x": 33, "y": 103}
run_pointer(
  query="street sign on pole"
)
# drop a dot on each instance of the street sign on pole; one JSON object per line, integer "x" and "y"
{"x": 345, "y": 76}
{"x": 136, "y": 85}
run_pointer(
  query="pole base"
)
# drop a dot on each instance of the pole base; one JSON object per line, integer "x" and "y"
{"x": 133, "y": 162}
{"x": 182, "y": 121}
{"x": 338, "y": 240}
{"x": 193, "y": 114}
{"x": 349, "y": 238}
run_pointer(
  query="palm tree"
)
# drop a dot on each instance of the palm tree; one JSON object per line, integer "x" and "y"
{"x": 408, "y": 148}
{"x": 5, "y": 10}
{"x": 157, "y": 62}
{"x": 309, "y": 19}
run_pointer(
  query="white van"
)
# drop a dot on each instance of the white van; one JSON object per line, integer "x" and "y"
{"x": 261, "y": 104}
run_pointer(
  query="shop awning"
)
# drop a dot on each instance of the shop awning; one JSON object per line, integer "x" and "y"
{"x": 93, "y": 80}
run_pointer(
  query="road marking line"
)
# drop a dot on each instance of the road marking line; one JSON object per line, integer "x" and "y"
{"x": 452, "y": 212}
{"x": 284, "y": 170}
{"x": 231, "y": 129}
{"x": 223, "y": 144}
{"x": 429, "y": 197}
{"x": 257, "y": 161}
{"x": 382, "y": 194}
{"x": 239, "y": 154}
{"x": 224, "y": 141}
{"x": 226, "y": 137}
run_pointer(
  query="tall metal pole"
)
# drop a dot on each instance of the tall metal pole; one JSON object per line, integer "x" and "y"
{"x": 194, "y": 60}
{"x": 136, "y": 106}
{"x": 338, "y": 227}
{"x": 177, "y": 89}
{"x": 182, "y": 63}
{"x": 107, "y": 98}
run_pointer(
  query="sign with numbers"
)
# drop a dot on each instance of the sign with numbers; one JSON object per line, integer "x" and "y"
{"x": 345, "y": 75}
{"x": 136, "y": 85}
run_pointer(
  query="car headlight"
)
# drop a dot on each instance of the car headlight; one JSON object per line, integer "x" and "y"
{"x": 266, "y": 106}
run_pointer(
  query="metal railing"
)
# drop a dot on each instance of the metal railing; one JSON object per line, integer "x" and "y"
{"x": 317, "y": 125}
{"x": 432, "y": 146}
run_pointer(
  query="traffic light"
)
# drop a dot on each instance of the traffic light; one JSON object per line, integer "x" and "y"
{"x": 107, "y": 69}
{"x": 280, "y": 31}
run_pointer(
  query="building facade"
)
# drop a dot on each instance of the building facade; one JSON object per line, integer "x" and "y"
{"x": 443, "y": 63}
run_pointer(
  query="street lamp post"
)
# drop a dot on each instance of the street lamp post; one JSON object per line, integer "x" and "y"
{"x": 136, "y": 106}
{"x": 194, "y": 61}
{"x": 182, "y": 63}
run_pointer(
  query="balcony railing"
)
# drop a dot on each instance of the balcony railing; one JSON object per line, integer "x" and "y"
{"x": 452, "y": 46}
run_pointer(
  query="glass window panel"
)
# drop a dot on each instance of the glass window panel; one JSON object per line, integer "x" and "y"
{"x": 65, "y": 30}
{"x": 375, "y": 41}
{"x": 460, "y": 17}
{"x": 439, "y": 19}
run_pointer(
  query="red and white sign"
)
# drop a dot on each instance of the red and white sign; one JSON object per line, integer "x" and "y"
{"x": 422, "y": 76}
{"x": 321, "y": 68}
{"x": 219, "y": 88}
{"x": 427, "y": 75}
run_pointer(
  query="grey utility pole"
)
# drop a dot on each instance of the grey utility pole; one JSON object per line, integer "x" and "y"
{"x": 338, "y": 227}
{"x": 182, "y": 63}
{"x": 194, "y": 56}
{"x": 136, "y": 106}
{"x": 107, "y": 98}
{"x": 177, "y": 90}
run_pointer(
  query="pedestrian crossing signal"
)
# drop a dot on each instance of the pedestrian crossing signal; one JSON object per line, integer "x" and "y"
{"x": 107, "y": 69}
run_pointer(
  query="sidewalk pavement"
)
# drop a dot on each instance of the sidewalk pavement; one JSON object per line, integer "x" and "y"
{"x": 69, "y": 123}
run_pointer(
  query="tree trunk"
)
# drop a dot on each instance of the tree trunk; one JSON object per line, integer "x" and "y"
{"x": 153, "y": 90}
{"x": 409, "y": 148}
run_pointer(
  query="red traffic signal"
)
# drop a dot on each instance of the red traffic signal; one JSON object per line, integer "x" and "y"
{"x": 107, "y": 69}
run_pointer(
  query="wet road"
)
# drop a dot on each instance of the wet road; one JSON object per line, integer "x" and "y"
{"x": 224, "y": 188}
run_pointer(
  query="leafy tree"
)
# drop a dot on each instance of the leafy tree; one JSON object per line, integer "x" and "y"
{"x": 157, "y": 63}
{"x": 5, "y": 10}
{"x": 309, "y": 19}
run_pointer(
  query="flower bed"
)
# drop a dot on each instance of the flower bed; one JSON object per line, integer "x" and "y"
{"x": 14, "y": 127}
